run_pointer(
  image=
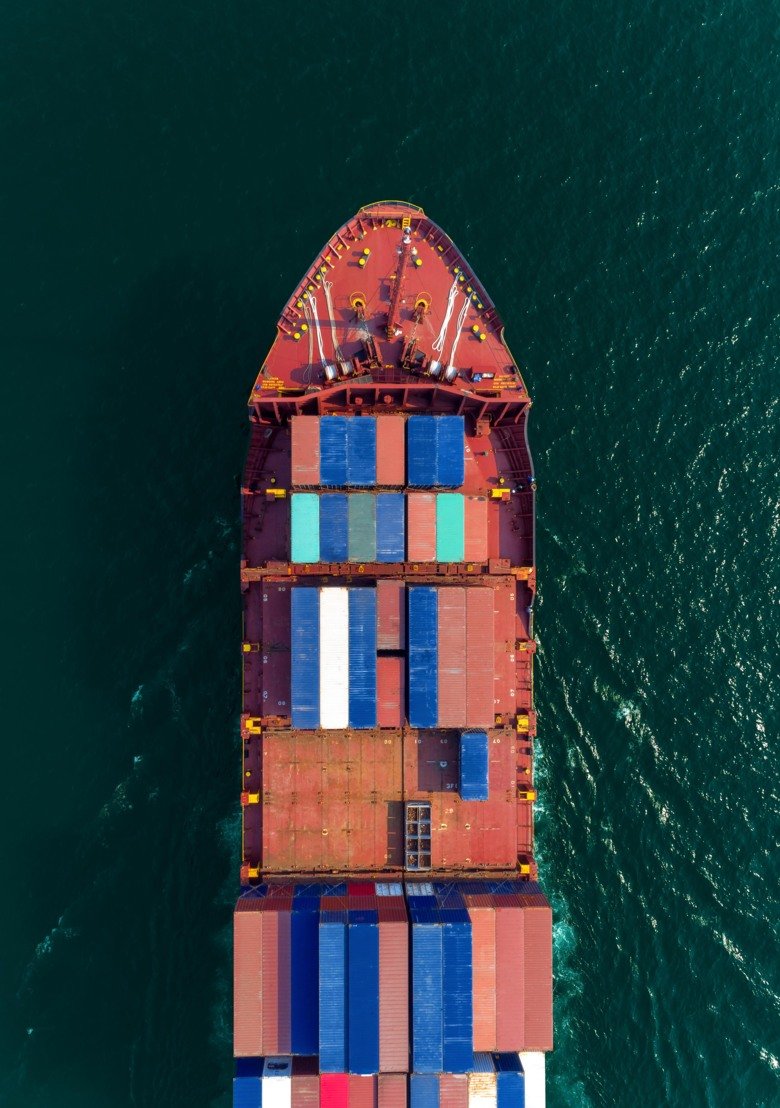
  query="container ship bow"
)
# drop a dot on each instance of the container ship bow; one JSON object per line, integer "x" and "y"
{"x": 392, "y": 946}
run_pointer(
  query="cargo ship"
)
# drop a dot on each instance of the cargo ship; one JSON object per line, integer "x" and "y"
{"x": 392, "y": 945}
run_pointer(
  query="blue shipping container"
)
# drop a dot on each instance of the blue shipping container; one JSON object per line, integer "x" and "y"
{"x": 362, "y": 657}
{"x": 424, "y": 1090}
{"x": 427, "y": 998}
{"x": 457, "y": 977}
{"x": 423, "y": 654}
{"x": 333, "y": 451}
{"x": 421, "y": 451}
{"x": 474, "y": 760}
{"x": 305, "y": 660}
{"x": 333, "y": 992}
{"x": 510, "y": 1088}
{"x": 450, "y": 451}
{"x": 363, "y": 1019}
{"x": 304, "y": 974}
{"x": 247, "y": 1092}
{"x": 333, "y": 527}
{"x": 390, "y": 527}
{"x": 361, "y": 450}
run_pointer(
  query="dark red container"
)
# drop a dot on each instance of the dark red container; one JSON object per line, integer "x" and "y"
{"x": 334, "y": 1090}
{"x": 393, "y": 993}
{"x": 480, "y": 696}
{"x": 510, "y": 992}
{"x": 421, "y": 527}
{"x": 305, "y": 1085}
{"x": 453, "y": 1090}
{"x": 362, "y": 1091}
{"x": 390, "y": 688}
{"x": 476, "y": 528}
{"x": 276, "y": 982}
{"x": 305, "y": 450}
{"x": 390, "y": 450}
{"x": 452, "y": 657}
{"x": 391, "y": 1090}
{"x": 247, "y": 979}
{"x": 483, "y": 938}
{"x": 390, "y": 615}
{"x": 537, "y": 963}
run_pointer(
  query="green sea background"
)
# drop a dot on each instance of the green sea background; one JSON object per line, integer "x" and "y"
{"x": 611, "y": 172}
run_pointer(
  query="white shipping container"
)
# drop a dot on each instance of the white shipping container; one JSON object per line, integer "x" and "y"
{"x": 483, "y": 1083}
{"x": 334, "y": 658}
{"x": 533, "y": 1065}
{"x": 277, "y": 1083}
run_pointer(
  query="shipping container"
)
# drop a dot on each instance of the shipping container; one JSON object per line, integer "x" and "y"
{"x": 361, "y": 450}
{"x": 450, "y": 451}
{"x": 451, "y": 662}
{"x": 421, "y": 526}
{"x": 390, "y": 450}
{"x": 334, "y": 527}
{"x": 277, "y": 1083}
{"x": 510, "y": 1081}
{"x": 450, "y": 536}
{"x": 363, "y": 975}
{"x": 333, "y": 995}
{"x": 454, "y": 1090}
{"x": 304, "y": 974}
{"x": 276, "y": 957}
{"x": 362, "y": 659}
{"x": 473, "y": 775}
{"x": 458, "y": 1029}
{"x": 537, "y": 964}
{"x": 362, "y": 1091}
{"x": 475, "y": 525}
{"x": 305, "y": 450}
{"x": 305, "y": 658}
{"x": 362, "y": 527}
{"x": 390, "y": 527}
{"x": 305, "y": 527}
{"x": 391, "y": 682}
{"x": 427, "y": 992}
{"x": 392, "y": 1090}
{"x": 423, "y": 1090}
{"x": 483, "y": 933}
{"x": 334, "y": 1090}
{"x": 333, "y": 451}
{"x": 334, "y": 658}
{"x": 421, "y": 451}
{"x": 480, "y": 695}
{"x": 391, "y": 614}
{"x": 393, "y": 985}
{"x": 247, "y": 1092}
{"x": 533, "y": 1063}
{"x": 423, "y": 652}
{"x": 306, "y": 1082}
{"x": 509, "y": 979}
{"x": 247, "y": 979}
{"x": 483, "y": 1091}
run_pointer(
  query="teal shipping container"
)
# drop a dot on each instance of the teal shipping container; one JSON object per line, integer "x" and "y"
{"x": 305, "y": 527}
{"x": 450, "y": 527}
{"x": 362, "y": 527}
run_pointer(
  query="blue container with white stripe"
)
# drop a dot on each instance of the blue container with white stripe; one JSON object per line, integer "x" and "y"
{"x": 474, "y": 765}
{"x": 390, "y": 527}
{"x": 510, "y": 1081}
{"x": 333, "y": 451}
{"x": 305, "y": 658}
{"x": 304, "y": 974}
{"x": 427, "y": 991}
{"x": 457, "y": 981}
{"x": 423, "y": 628}
{"x": 361, "y": 450}
{"x": 333, "y": 992}
{"x": 333, "y": 527}
{"x": 424, "y": 1090}
{"x": 362, "y": 657}
{"x": 247, "y": 1092}
{"x": 363, "y": 976}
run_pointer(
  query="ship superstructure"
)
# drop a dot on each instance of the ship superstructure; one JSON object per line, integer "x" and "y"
{"x": 392, "y": 944}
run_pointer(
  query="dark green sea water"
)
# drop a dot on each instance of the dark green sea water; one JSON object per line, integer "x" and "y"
{"x": 611, "y": 171}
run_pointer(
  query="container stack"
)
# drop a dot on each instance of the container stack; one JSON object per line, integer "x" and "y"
{"x": 347, "y": 527}
{"x": 435, "y": 451}
{"x": 446, "y": 527}
{"x": 343, "y": 452}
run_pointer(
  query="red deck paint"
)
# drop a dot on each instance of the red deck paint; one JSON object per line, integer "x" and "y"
{"x": 452, "y": 657}
{"x": 391, "y": 450}
{"x": 421, "y": 527}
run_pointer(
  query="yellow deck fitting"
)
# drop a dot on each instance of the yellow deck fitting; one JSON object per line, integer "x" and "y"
{"x": 250, "y": 647}
{"x": 253, "y": 798}
{"x": 523, "y": 867}
{"x": 475, "y": 329}
{"x": 361, "y": 262}
{"x": 276, "y": 494}
{"x": 522, "y": 723}
{"x": 406, "y": 222}
{"x": 253, "y": 871}
{"x": 526, "y": 794}
{"x": 296, "y": 335}
{"x": 254, "y": 726}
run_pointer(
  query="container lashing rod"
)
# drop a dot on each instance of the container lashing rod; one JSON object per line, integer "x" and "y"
{"x": 404, "y": 251}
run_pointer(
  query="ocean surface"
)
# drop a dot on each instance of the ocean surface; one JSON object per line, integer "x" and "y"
{"x": 611, "y": 171}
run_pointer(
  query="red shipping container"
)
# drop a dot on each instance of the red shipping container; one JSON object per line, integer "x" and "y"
{"x": 421, "y": 527}
{"x": 305, "y": 1083}
{"x": 476, "y": 528}
{"x": 390, "y": 450}
{"x": 247, "y": 979}
{"x": 390, "y": 689}
{"x": 276, "y": 981}
{"x": 305, "y": 450}
{"x": 537, "y": 964}
{"x": 510, "y": 994}
{"x": 391, "y": 1090}
{"x": 452, "y": 657}
{"x": 393, "y": 993}
{"x": 483, "y": 938}
{"x": 480, "y": 702}
{"x": 362, "y": 1091}
{"x": 361, "y": 888}
{"x": 334, "y": 1090}
{"x": 453, "y": 1090}
{"x": 390, "y": 615}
